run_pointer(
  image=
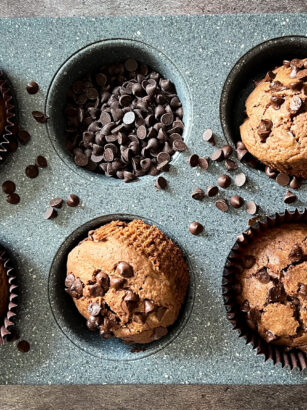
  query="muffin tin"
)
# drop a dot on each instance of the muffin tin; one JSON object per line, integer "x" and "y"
{"x": 197, "y": 53}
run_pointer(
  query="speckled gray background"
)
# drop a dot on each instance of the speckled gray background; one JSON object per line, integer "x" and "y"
{"x": 204, "y": 48}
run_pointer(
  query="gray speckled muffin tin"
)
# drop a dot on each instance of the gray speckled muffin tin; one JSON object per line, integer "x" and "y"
{"x": 197, "y": 53}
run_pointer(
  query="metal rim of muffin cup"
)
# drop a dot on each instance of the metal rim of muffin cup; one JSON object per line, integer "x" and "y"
{"x": 72, "y": 324}
{"x": 8, "y": 134}
{"x": 93, "y": 55}
{"x": 7, "y": 323}
{"x": 250, "y": 67}
{"x": 277, "y": 353}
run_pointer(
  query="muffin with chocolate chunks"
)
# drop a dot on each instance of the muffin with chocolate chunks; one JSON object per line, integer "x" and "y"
{"x": 128, "y": 280}
{"x": 275, "y": 130}
{"x": 272, "y": 287}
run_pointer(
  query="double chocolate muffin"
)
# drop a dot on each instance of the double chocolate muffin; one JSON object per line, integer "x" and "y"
{"x": 128, "y": 280}
{"x": 272, "y": 287}
{"x": 275, "y": 130}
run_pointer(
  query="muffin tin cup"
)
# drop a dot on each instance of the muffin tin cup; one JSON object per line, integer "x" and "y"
{"x": 253, "y": 66}
{"x": 72, "y": 324}
{"x": 7, "y": 321}
{"x": 294, "y": 358}
{"x": 8, "y": 137}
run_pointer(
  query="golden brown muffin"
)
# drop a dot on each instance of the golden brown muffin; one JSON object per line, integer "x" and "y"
{"x": 128, "y": 280}
{"x": 273, "y": 285}
{"x": 4, "y": 290}
{"x": 275, "y": 130}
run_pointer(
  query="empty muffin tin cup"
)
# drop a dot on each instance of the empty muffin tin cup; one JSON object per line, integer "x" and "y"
{"x": 251, "y": 67}
{"x": 294, "y": 358}
{"x": 89, "y": 59}
{"x": 73, "y": 325}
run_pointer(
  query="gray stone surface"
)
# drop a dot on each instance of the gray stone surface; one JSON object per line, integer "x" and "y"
{"x": 207, "y": 350}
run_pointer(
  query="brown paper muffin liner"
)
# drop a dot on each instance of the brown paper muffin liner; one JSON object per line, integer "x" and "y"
{"x": 294, "y": 358}
{"x": 6, "y": 321}
{"x": 8, "y": 141}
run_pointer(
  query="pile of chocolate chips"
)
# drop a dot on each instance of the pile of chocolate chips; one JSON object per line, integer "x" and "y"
{"x": 124, "y": 121}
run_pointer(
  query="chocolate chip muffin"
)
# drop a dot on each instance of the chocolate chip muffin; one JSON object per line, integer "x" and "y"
{"x": 128, "y": 280}
{"x": 272, "y": 288}
{"x": 275, "y": 130}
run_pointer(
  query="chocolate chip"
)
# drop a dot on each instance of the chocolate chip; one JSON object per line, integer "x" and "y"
{"x": 224, "y": 181}
{"x": 51, "y": 213}
{"x": 161, "y": 183}
{"x": 40, "y": 117}
{"x": 93, "y": 323}
{"x": 276, "y": 104}
{"x": 124, "y": 269}
{"x": 23, "y": 346}
{"x": 13, "y": 199}
{"x": 290, "y": 197}
{"x": 295, "y": 183}
{"x": 32, "y": 171}
{"x": 269, "y": 76}
{"x": 196, "y": 228}
{"x": 282, "y": 179}
{"x": 149, "y": 306}
{"x": 23, "y": 137}
{"x": 131, "y": 65}
{"x": 41, "y": 162}
{"x": 179, "y": 145}
{"x": 263, "y": 276}
{"x": 270, "y": 337}
{"x": 240, "y": 179}
{"x": 296, "y": 254}
{"x": 208, "y": 136}
{"x": 236, "y": 201}
{"x": 241, "y": 153}
{"x": 198, "y": 194}
{"x": 116, "y": 282}
{"x": 69, "y": 280}
{"x": 222, "y": 205}
{"x": 302, "y": 289}
{"x": 32, "y": 87}
{"x": 270, "y": 172}
{"x": 94, "y": 309}
{"x": 251, "y": 207}
{"x": 227, "y": 151}
{"x": 264, "y": 129}
{"x": 8, "y": 187}
{"x": 245, "y": 307}
{"x": 230, "y": 165}
{"x": 56, "y": 203}
{"x": 218, "y": 155}
{"x": 129, "y": 118}
{"x": 96, "y": 290}
{"x": 130, "y": 301}
{"x": 296, "y": 86}
{"x": 295, "y": 104}
{"x": 212, "y": 190}
{"x": 193, "y": 160}
{"x": 73, "y": 200}
{"x": 276, "y": 294}
{"x": 203, "y": 163}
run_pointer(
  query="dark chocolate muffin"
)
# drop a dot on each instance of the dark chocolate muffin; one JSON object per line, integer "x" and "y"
{"x": 272, "y": 287}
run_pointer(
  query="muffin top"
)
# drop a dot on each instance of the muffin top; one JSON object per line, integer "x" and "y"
{"x": 275, "y": 130}
{"x": 128, "y": 280}
{"x": 273, "y": 285}
{"x": 4, "y": 289}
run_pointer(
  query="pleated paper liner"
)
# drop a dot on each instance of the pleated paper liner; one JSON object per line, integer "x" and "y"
{"x": 8, "y": 140}
{"x": 7, "y": 320}
{"x": 295, "y": 358}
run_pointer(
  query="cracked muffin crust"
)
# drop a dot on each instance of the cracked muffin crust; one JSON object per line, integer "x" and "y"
{"x": 275, "y": 130}
{"x": 272, "y": 287}
{"x": 128, "y": 280}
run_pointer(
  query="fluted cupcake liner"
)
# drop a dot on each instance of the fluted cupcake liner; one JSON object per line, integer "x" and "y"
{"x": 7, "y": 321}
{"x": 8, "y": 135}
{"x": 294, "y": 358}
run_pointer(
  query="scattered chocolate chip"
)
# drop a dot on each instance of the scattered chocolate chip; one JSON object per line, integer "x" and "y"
{"x": 240, "y": 179}
{"x": 263, "y": 276}
{"x": 51, "y": 213}
{"x": 296, "y": 86}
{"x": 198, "y": 194}
{"x": 218, "y": 155}
{"x": 203, "y": 163}
{"x": 276, "y": 104}
{"x": 296, "y": 254}
{"x": 23, "y": 346}
{"x": 270, "y": 172}
{"x": 41, "y": 162}
{"x": 295, "y": 104}
{"x": 40, "y": 117}
{"x": 116, "y": 282}
{"x": 230, "y": 165}
{"x": 161, "y": 183}
{"x": 73, "y": 200}
{"x": 276, "y": 293}
{"x": 8, "y": 187}
{"x": 270, "y": 337}
{"x": 251, "y": 207}
{"x": 265, "y": 127}
{"x": 93, "y": 323}
{"x": 23, "y": 137}
{"x": 94, "y": 309}
{"x": 130, "y": 301}
{"x": 149, "y": 306}
{"x": 269, "y": 76}
{"x": 295, "y": 183}
{"x": 32, "y": 87}
{"x": 227, "y": 151}
{"x": 241, "y": 153}
{"x": 222, "y": 205}
{"x": 212, "y": 190}
{"x": 124, "y": 269}
{"x": 282, "y": 179}
{"x": 208, "y": 136}
{"x": 196, "y": 228}
{"x": 13, "y": 199}
{"x": 179, "y": 145}
{"x": 290, "y": 197}
{"x": 129, "y": 119}
{"x": 224, "y": 181}
{"x": 236, "y": 201}
{"x": 193, "y": 160}
{"x": 56, "y": 203}
{"x": 32, "y": 171}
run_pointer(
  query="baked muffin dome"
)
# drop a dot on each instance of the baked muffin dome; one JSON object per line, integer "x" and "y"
{"x": 128, "y": 280}
{"x": 275, "y": 130}
{"x": 273, "y": 285}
